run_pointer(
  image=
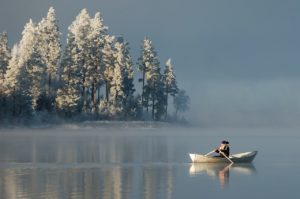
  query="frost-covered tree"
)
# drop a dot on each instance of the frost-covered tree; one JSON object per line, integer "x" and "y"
{"x": 149, "y": 66}
{"x": 37, "y": 76}
{"x": 128, "y": 80}
{"x": 69, "y": 98}
{"x": 80, "y": 30}
{"x": 117, "y": 83}
{"x": 8, "y": 102}
{"x": 27, "y": 43}
{"x": 96, "y": 69}
{"x": 49, "y": 46}
{"x": 17, "y": 87}
{"x": 89, "y": 37}
{"x": 13, "y": 71}
{"x": 30, "y": 59}
{"x": 83, "y": 63}
{"x": 92, "y": 59}
{"x": 4, "y": 58}
{"x": 30, "y": 63}
{"x": 108, "y": 63}
{"x": 122, "y": 87}
{"x": 103, "y": 108}
{"x": 170, "y": 83}
{"x": 67, "y": 101}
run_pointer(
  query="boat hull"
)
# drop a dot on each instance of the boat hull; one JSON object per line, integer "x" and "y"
{"x": 246, "y": 157}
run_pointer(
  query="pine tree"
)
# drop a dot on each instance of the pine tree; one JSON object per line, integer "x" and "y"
{"x": 49, "y": 46}
{"x": 37, "y": 76}
{"x": 4, "y": 58}
{"x": 96, "y": 68}
{"x": 68, "y": 99}
{"x": 27, "y": 43}
{"x": 117, "y": 84}
{"x": 170, "y": 83}
{"x": 30, "y": 70}
{"x": 108, "y": 63}
{"x": 80, "y": 30}
{"x": 149, "y": 66}
{"x": 128, "y": 84}
{"x": 13, "y": 72}
{"x": 34, "y": 74}
{"x": 116, "y": 91}
{"x": 17, "y": 87}
{"x": 160, "y": 99}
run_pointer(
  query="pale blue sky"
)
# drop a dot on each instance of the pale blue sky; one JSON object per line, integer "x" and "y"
{"x": 223, "y": 51}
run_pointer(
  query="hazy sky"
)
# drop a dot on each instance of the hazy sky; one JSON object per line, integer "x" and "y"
{"x": 237, "y": 59}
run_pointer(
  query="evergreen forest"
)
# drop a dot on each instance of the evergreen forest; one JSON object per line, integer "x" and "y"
{"x": 91, "y": 76}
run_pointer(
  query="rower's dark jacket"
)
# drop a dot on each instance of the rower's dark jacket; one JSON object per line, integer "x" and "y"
{"x": 225, "y": 150}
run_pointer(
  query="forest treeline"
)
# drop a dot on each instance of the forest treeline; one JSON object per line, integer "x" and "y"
{"x": 93, "y": 75}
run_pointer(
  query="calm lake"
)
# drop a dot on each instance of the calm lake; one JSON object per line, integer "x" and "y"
{"x": 145, "y": 163}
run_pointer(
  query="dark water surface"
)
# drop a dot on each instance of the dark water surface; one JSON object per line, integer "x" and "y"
{"x": 146, "y": 164}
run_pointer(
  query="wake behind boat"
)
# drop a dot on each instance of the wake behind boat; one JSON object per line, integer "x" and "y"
{"x": 245, "y": 157}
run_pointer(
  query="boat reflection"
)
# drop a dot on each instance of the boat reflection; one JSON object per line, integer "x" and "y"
{"x": 221, "y": 171}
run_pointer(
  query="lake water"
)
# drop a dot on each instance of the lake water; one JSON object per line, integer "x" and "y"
{"x": 145, "y": 163}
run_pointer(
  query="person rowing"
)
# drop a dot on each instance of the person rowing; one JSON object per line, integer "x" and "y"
{"x": 223, "y": 149}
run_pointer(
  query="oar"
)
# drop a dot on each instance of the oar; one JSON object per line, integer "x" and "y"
{"x": 226, "y": 157}
{"x": 209, "y": 153}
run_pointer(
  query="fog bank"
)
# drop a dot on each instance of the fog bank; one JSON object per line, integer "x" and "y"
{"x": 249, "y": 103}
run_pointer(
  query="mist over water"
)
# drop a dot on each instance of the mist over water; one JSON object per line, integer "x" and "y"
{"x": 141, "y": 162}
{"x": 245, "y": 103}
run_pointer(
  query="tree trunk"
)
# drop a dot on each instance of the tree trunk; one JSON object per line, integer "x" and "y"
{"x": 49, "y": 85}
{"x": 106, "y": 90}
{"x": 99, "y": 87}
{"x": 93, "y": 95}
{"x": 153, "y": 105}
{"x": 147, "y": 104}
{"x": 143, "y": 90}
{"x": 14, "y": 102}
{"x": 83, "y": 93}
{"x": 166, "y": 106}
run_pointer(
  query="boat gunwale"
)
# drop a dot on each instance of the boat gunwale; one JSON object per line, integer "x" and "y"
{"x": 247, "y": 158}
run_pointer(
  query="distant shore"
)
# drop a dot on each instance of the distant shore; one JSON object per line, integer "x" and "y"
{"x": 94, "y": 124}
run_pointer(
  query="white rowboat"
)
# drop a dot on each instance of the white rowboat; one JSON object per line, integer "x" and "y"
{"x": 245, "y": 157}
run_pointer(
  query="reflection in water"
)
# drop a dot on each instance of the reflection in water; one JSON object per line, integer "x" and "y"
{"x": 112, "y": 182}
{"x": 86, "y": 167}
{"x": 221, "y": 171}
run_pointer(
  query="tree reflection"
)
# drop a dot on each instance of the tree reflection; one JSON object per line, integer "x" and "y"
{"x": 88, "y": 181}
{"x": 86, "y": 167}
